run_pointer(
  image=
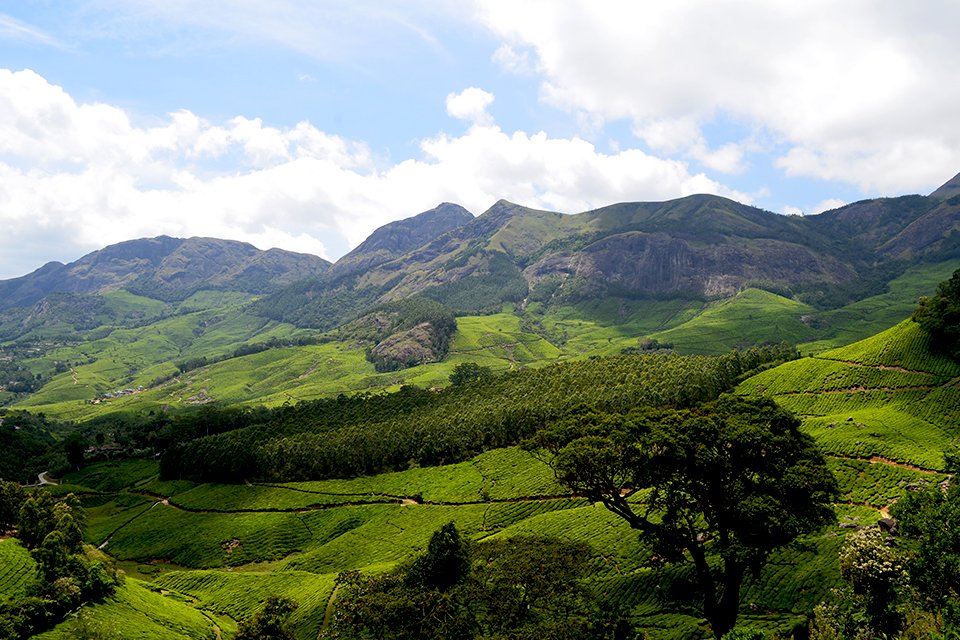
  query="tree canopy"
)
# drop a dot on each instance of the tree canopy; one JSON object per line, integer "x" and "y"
{"x": 271, "y": 622}
{"x": 524, "y": 587}
{"x": 940, "y": 316}
{"x": 930, "y": 521}
{"x": 720, "y": 485}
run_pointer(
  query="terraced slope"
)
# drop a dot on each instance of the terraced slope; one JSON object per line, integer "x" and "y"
{"x": 884, "y": 409}
{"x": 17, "y": 570}
{"x": 143, "y": 612}
{"x": 225, "y": 548}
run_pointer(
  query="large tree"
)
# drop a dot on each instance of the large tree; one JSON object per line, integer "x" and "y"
{"x": 719, "y": 486}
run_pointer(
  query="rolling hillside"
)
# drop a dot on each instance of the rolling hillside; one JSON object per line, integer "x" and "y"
{"x": 883, "y": 398}
{"x": 218, "y": 327}
{"x": 883, "y": 409}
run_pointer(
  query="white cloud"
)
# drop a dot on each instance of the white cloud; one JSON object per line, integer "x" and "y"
{"x": 513, "y": 61}
{"x": 820, "y": 207}
{"x": 471, "y": 105}
{"x": 864, "y": 91}
{"x": 791, "y": 210}
{"x": 13, "y": 29}
{"x": 84, "y": 175}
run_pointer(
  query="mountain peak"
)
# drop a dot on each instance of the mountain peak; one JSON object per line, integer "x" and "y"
{"x": 401, "y": 236}
{"x": 165, "y": 268}
{"x": 948, "y": 189}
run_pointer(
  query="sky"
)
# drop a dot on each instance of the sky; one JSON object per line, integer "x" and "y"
{"x": 307, "y": 124}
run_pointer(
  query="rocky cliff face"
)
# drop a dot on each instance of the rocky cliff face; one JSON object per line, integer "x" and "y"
{"x": 656, "y": 264}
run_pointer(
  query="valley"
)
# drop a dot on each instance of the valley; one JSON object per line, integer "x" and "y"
{"x": 252, "y": 425}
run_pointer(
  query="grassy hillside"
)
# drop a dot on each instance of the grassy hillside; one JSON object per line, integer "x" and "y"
{"x": 17, "y": 570}
{"x": 215, "y": 325}
{"x": 751, "y": 317}
{"x": 872, "y": 315}
{"x": 883, "y": 409}
{"x": 224, "y": 548}
{"x": 886, "y": 397}
{"x": 139, "y": 611}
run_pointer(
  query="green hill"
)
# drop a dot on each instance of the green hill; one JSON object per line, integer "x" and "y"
{"x": 883, "y": 409}
{"x": 884, "y": 397}
{"x": 702, "y": 273}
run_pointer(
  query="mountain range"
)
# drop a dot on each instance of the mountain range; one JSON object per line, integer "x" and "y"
{"x": 701, "y": 246}
{"x": 702, "y": 272}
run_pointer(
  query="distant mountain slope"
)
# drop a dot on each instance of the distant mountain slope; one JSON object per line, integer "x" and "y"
{"x": 164, "y": 268}
{"x": 393, "y": 240}
{"x": 700, "y": 247}
{"x": 949, "y": 189}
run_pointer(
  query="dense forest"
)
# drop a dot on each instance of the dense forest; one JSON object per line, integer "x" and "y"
{"x": 367, "y": 434}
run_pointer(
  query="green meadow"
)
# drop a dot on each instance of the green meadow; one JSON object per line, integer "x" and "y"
{"x": 17, "y": 569}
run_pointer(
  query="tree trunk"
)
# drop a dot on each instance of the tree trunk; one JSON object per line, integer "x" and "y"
{"x": 720, "y": 609}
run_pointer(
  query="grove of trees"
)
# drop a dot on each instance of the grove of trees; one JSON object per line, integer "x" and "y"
{"x": 67, "y": 573}
{"x": 374, "y": 433}
{"x": 526, "y": 587}
{"x": 940, "y": 317}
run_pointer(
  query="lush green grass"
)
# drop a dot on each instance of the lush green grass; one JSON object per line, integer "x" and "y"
{"x": 115, "y": 359}
{"x": 203, "y": 540}
{"x": 240, "y": 594}
{"x": 515, "y": 473}
{"x": 136, "y": 612}
{"x": 500, "y": 474}
{"x": 872, "y": 315}
{"x": 606, "y": 326}
{"x": 885, "y": 396}
{"x": 113, "y": 475}
{"x": 17, "y": 570}
{"x": 878, "y": 484}
{"x": 107, "y": 514}
{"x": 905, "y": 346}
{"x": 751, "y": 317}
{"x": 239, "y": 498}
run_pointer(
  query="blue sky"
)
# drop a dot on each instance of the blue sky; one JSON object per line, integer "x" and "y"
{"x": 306, "y": 125}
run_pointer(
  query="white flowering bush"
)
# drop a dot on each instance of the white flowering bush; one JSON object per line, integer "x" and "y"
{"x": 870, "y": 565}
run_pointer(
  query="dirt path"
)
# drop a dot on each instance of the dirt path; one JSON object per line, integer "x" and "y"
{"x": 882, "y": 510}
{"x": 886, "y": 461}
{"x": 328, "y": 612}
{"x": 109, "y": 537}
{"x": 216, "y": 627}
{"x": 882, "y": 367}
